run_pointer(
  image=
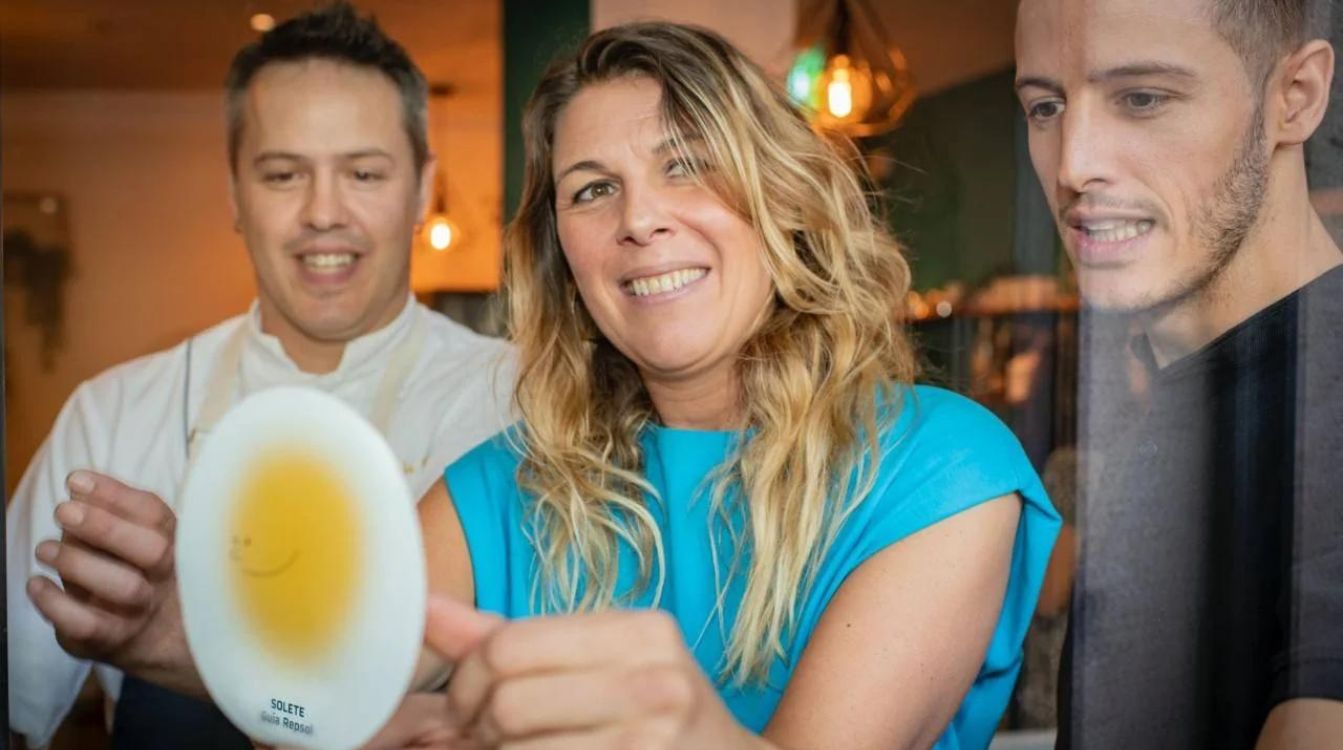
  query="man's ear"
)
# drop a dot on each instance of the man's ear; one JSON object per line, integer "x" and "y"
{"x": 427, "y": 173}
{"x": 233, "y": 198}
{"x": 1300, "y": 96}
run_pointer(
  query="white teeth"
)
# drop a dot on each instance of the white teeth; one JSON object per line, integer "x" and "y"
{"x": 328, "y": 260}
{"x": 1116, "y": 231}
{"x": 663, "y": 283}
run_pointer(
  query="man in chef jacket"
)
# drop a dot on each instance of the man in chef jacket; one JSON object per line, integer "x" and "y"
{"x": 331, "y": 174}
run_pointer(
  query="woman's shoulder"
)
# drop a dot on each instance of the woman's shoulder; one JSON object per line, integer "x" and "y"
{"x": 943, "y": 452}
{"x": 932, "y": 421}
{"x": 940, "y": 454}
{"x": 496, "y": 457}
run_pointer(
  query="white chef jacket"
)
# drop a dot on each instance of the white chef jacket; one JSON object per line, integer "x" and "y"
{"x": 133, "y": 423}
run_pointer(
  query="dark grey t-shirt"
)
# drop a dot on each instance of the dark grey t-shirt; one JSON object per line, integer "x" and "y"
{"x": 1210, "y": 587}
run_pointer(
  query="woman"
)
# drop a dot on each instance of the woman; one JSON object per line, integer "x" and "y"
{"x": 746, "y": 527}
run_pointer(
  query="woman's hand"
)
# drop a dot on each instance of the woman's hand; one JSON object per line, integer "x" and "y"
{"x": 608, "y": 680}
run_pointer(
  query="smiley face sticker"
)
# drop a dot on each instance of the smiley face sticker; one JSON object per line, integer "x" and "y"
{"x": 300, "y": 571}
{"x": 295, "y": 552}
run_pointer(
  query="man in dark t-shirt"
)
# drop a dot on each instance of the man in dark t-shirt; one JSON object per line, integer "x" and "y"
{"x": 1168, "y": 137}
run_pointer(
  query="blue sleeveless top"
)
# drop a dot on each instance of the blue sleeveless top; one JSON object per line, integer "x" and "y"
{"x": 943, "y": 455}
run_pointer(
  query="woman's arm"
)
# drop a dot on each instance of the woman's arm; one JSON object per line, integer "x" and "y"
{"x": 888, "y": 665}
{"x": 1303, "y": 724}
{"x": 901, "y": 642}
{"x": 448, "y": 564}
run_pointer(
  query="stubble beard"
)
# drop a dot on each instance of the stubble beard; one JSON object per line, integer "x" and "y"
{"x": 1223, "y": 223}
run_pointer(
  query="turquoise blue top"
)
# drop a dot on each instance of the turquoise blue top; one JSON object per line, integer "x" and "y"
{"x": 944, "y": 454}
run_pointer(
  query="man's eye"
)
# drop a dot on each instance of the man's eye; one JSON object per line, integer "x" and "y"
{"x": 1144, "y": 101}
{"x": 367, "y": 175}
{"x": 1044, "y": 111}
{"x": 278, "y": 178}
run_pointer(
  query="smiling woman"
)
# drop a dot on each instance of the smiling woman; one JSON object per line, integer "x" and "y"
{"x": 719, "y": 424}
{"x": 653, "y": 251}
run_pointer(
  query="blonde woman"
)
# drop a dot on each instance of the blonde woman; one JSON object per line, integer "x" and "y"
{"x": 727, "y": 517}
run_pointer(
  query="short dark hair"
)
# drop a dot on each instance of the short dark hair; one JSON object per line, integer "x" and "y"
{"x": 1261, "y": 31}
{"x": 336, "y": 32}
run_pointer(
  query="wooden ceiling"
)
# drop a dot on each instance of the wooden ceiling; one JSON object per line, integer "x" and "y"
{"x": 187, "y": 44}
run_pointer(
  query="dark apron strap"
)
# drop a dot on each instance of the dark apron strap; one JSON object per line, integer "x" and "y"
{"x": 149, "y": 717}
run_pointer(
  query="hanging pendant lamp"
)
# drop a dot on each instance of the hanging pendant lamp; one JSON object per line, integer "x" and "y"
{"x": 848, "y": 74}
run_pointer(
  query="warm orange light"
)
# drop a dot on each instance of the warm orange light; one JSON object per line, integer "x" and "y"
{"x": 849, "y": 75}
{"x": 848, "y": 90}
{"x": 839, "y": 89}
{"x": 442, "y": 233}
{"x": 262, "y": 22}
{"x": 840, "y": 95}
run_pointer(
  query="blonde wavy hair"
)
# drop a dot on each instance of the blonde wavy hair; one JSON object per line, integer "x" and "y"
{"x": 818, "y": 375}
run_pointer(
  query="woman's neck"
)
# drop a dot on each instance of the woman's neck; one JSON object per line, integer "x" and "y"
{"x": 706, "y": 401}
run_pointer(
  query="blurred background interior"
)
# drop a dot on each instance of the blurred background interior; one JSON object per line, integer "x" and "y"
{"x": 118, "y": 240}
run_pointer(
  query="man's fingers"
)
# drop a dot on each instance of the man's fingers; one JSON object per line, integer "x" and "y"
{"x": 80, "y": 628}
{"x": 148, "y": 548}
{"x": 73, "y": 589}
{"x": 96, "y": 575}
{"x": 138, "y": 506}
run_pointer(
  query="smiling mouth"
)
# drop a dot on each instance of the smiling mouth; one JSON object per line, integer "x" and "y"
{"x": 327, "y": 262}
{"x": 1115, "y": 230}
{"x": 269, "y": 572}
{"x": 647, "y": 286}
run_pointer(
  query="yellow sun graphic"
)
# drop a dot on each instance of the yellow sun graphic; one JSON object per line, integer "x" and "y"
{"x": 295, "y": 552}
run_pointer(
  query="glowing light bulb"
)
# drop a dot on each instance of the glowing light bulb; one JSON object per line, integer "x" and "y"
{"x": 263, "y": 22}
{"x": 442, "y": 233}
{"x": 839, "y": 94}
